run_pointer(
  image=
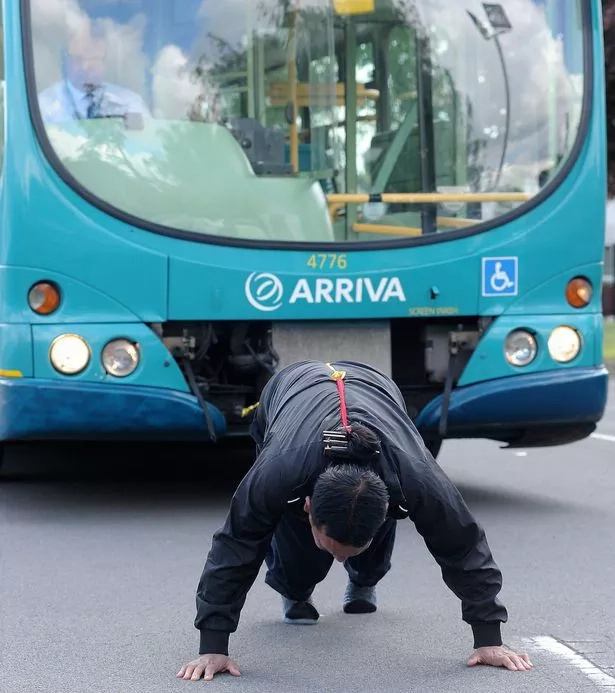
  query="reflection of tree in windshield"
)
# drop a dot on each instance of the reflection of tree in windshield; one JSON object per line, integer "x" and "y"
{"x": 221, "y": 67}
{"x": 102, "y": 162}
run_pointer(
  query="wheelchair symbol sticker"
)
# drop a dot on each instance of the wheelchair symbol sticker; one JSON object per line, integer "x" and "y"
{"x": 500, "y": 276}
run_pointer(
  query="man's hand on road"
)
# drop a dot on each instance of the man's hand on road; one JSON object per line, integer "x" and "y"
{"x": 207, "y": 666}
{"x": 500, "y": 656}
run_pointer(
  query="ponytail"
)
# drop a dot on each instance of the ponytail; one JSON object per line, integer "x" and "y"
{"x": 363, "y": 443}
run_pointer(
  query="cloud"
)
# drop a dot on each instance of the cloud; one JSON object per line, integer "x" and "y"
{"x": 127, "y": 63}
{"x": 543, "y": 93}
{"x": 55, "y": 22}
{"x": 173, "y": 91}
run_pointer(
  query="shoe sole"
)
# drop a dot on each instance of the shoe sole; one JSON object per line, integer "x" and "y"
{"x": 301, "y": 621}
{"x": 359, "y": 606}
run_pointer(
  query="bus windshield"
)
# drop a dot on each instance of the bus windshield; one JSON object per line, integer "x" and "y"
{"x": 257, "y": 119}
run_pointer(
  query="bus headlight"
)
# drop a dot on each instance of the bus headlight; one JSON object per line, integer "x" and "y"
{"x": 520, "y": 348}
{"x": 120, "y": 357}
{"x": 564, "y": 344}
{"x": 69, "y": 354}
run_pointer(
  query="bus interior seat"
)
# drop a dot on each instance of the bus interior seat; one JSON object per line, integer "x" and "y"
{"x": 264, "y": 147}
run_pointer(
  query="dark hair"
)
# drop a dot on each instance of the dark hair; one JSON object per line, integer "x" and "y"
{"x": 349, "y": 504}
{"x": 363, "y": 443}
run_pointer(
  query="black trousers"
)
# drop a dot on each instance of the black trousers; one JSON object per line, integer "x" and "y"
{"x": 296, "y": 565}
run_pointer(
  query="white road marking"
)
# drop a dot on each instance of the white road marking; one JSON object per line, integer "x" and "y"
{"x": 603, "y": 436}
{"x": 555, "y": 647}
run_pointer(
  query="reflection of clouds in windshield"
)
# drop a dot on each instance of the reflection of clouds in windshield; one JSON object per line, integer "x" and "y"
{"x": 540, "y": 85}
{"x": 545, "y": 98}
{"x": 130, "y": 159}
{"x": 126, "y": 61}
{"x": 223, "y": 33}
{"x": 173, "y": 90}
{"x": 226, "y": 35}
{"x": 66, "y": 144}
{"x": 55, "y": 22}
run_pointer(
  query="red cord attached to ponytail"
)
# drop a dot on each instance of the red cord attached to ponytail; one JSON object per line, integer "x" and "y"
{"x": 339, "y": 376}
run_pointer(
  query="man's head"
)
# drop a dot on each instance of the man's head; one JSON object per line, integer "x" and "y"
{"x": 86, "y": 56}
{"x": 346, "y": 509}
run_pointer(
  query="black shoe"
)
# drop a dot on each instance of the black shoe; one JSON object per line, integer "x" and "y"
{"x": 359, "y": 600}
{"x": 300, "y": 613}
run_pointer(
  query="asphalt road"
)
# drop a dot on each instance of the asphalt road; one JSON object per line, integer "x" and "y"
{"x": 101, "y": 548}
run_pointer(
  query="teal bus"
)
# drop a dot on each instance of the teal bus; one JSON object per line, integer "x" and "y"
{"x": 195, "y": 193}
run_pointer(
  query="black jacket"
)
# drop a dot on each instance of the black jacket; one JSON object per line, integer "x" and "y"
{"x": 297, "y": 404}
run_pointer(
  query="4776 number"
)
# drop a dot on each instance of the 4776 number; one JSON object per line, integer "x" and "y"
{"x": 328, "y": 261}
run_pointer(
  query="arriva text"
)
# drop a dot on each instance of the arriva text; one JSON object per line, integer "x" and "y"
{"x": 265, "y": 291}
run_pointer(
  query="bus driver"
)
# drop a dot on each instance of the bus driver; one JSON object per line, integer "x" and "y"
{"x": 82, "y": 93}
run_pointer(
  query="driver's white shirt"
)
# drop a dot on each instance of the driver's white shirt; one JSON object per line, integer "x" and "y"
{"x": 62, "y": 102}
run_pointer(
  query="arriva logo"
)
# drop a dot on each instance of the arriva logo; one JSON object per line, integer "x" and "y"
{"x": 264, "y": 291}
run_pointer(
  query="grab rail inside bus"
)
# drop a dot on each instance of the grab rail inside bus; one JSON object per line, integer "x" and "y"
{"x": 387, "y": 229}
{"x": 443, "y": 222}
{"x": 425, "y": 198}
{"x": 337, "y": 201}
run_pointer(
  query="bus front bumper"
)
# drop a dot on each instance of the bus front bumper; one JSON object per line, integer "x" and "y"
{"x": 36, "y": 409}
{"x": 548, "y": 408}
